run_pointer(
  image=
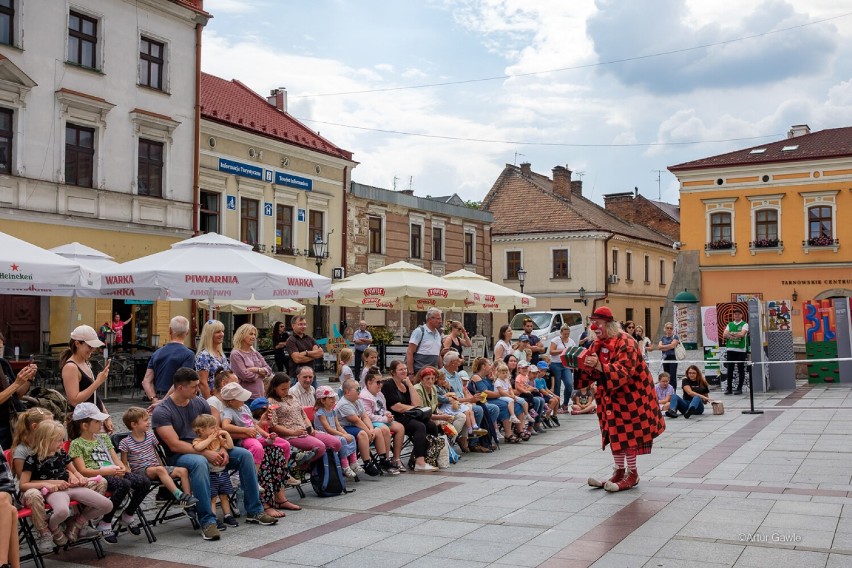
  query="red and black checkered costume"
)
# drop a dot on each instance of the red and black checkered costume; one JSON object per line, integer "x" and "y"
{"x": 627, "y": 407}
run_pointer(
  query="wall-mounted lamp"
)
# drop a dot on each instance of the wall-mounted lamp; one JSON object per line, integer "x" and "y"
{"x": 795, "y": 295}
{"x": 522, "y": 277}
{"x": 582, "y": 294}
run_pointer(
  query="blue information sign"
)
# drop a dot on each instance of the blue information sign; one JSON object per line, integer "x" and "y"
{"x": 267, "y": 209}
{"x": 240, "y": 169}
{"x": 294, "y": 181}
{"x": 232, "y": 203}
{"x": 301, "y": 215}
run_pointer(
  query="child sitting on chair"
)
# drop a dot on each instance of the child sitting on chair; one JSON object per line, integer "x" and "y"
{"x": 210, "y": 437}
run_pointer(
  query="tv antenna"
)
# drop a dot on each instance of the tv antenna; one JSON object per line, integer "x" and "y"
{"x": 659, "y": 178}
{"x": 516, "y": 158}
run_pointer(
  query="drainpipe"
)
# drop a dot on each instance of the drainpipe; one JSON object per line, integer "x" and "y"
{"x": 196, "y": 163}
{"x": 606, "y": 273}
{"x": 345, "y": 231}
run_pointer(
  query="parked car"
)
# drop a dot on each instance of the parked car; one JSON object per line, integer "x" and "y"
{"x": 546, "y": 325}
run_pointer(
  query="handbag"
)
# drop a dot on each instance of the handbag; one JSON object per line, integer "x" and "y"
{"x": 422, "y": 414}
{"x": 680, "y": 351}
{"x": 718, "y": 407}
{"x": 437, "y": 446}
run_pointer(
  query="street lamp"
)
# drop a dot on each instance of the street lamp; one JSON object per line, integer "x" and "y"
{"x": 582, "y": 294}
{"x": 522, "y": 276}
{"x": 320, "y": 250}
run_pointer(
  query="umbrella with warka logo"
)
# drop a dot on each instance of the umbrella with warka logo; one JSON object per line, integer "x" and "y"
{"x": 216, "y": 268}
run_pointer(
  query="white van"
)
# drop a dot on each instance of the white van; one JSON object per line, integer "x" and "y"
{"x": 546, "y": 325}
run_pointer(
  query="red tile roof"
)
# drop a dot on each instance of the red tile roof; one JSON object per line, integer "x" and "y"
{"x": 234, "y": 104}
{"x": 829, "y": 143}
{"x": 548, "y": 213}
{"x": 194, "y": 5}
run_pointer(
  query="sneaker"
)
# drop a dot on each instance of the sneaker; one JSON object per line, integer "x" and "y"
{"x": 477, "y": 432}
{"x": 186, "y": 500}
{"x": 372, "y": 469}
{"x": 59, "y": 538}
{"x": 688, "y": 412}
{"x": 729, "y": 391}
{"x": 304, "y": 456}
{"x": 671, "y": 413}
{"x": 220, "y": 525}
{"x": 261, "y": 519}
{"x": 617, "y": 475}
{"x": 514, "y": 420}
{"x": 107, "y": 534}
{"x": 388, "y": 467}
{"x": 45, "y": 543}
{"x": 630, "y": 480}
{"x": 164, "y": 495}
{"x": 347, "y": 472}
{"x": 425, "y": 468}
{"x": 85, "y": 532}
{"x": 230, "y": 521}
{"x": 210, "y": 532}
{"x": 555, "y": 420}
{"x": 539, "y": 429}
{"x": 738, "y": 391}
{"x": 132, "y": 524}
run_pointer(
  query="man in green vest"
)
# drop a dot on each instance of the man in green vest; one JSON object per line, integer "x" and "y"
{"x": 736, "y": 342}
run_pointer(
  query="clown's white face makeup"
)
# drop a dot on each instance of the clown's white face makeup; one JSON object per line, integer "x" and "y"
{"x": 597, "y": 327}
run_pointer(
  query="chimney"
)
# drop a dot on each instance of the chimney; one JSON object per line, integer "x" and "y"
{"x": 577, "y": 187}
{"x": 562, "y": 182}
{"x": 526, "y": 170}
{"x": 798, "y": 130}
{"x": 278, "y": 98}
{"x": 621, "y": 204}
{"x": 407, "y": 192}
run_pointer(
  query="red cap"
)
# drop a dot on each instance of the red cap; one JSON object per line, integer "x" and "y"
{"x": 603, "y": 313}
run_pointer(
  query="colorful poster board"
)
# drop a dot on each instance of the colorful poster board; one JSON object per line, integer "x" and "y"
{"x": 709, "y": 328}
{"x": 724, "y": 315}
{"x": 778, "y": 315}
{"x": 686, "y": 324}
{"x": 820, "y": 340}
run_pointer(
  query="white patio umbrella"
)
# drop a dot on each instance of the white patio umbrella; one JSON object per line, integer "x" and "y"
{"x": 254, "y": 306}
{"x": 487, "y": 296}
{"x": 398, "y": 285}
{"x": 33, "y": 271}
{"x": 215, "y": 267}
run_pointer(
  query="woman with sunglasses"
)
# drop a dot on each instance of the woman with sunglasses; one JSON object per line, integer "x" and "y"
{"x": 456, "y": 340}
{"x": 210, "y": 357}
{"x": 78, "y": 378}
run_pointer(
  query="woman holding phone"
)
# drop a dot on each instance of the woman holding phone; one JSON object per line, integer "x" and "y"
{"x": 78, "y": 378}
{"x": 12, "y": 387}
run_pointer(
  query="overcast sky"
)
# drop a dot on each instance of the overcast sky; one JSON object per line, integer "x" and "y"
{"x": 563, "y": 93}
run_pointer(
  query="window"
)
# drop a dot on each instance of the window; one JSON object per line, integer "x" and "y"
{"x": 209, "y": 212}
{"x": 249, "y": 220}
{"x": 819, "y": 222}
{"x": 375, "y": 224}
{"x": 416, "y": 241}
{"x": 151, "y": 60}
{"x": 628, "y": 256}
{"x": 766, "y": 225}
{"x": 720, "y": 227}
{"x": 5, "y": 140}
{"x": 7, "y": 22}
{"x": 513, "y": 264}
{"x": 647, "y": 269}
{"x": 82, "y": 40}
{"x": 662, "y": 271}
{"x": 647, "y": 326}
{"x": 316, "y": 228}
{"x": 628, "y": 314}
{"x": 150, "y": 168}
{"x": 437, "y": 243}
{"x": 284, "y": 229}
{"x": 615, "y": 263}
{"x": 79, "y": 155}
{"x": 560, "y": 263}
{"x": 468, "y": 248}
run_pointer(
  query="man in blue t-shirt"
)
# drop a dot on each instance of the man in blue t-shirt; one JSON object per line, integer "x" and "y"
{"x": 168, "y": 359}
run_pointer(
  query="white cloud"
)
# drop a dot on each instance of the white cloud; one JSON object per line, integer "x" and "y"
{"x": 225, "y": 7}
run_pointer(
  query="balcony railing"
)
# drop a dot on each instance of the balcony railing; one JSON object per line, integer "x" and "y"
{"x": 288, "y": 251}
{"x": 766, "y": 243}
{"x": 821, "y": 241}
{"x": 720, "y": 245}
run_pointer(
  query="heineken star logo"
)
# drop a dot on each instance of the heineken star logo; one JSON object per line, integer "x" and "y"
{"x": 15, "y": 268}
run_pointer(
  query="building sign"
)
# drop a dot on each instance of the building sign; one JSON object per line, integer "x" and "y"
{"x": 240, "y": 169}
{"x": 232, "y": 203}
{"x": 290, "y": 180}
{"x": 301, "y": 215}
{"x": 267, "y": 209}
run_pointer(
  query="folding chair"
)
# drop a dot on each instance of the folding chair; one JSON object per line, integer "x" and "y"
{"x": 25, "y": 532}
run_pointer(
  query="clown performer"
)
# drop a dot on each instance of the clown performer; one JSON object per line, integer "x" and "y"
{"x": 627, "y": 407}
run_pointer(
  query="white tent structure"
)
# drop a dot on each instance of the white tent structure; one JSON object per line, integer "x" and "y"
{"x": 33, "y": 271}
{"x": 216, "y": 268}
{"x": 488, "y": 297}
{"x": 254, "y": 306}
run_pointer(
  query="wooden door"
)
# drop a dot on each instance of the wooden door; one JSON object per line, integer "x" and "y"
{"x": 19, "y": 322}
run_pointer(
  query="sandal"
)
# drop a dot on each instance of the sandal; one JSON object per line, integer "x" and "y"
{"x": 274, "y": 513}
{"x": 287, "y": 505}
{"x": 292, "y": 482}
{"x": 513, "y": 439}
{"x": 480, "y": 449}
{"x": 525, "y": 436}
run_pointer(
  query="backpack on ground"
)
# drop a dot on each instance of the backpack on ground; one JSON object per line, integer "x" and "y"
{"x": 50, "y": 399}
{"x": 327, "y": 476}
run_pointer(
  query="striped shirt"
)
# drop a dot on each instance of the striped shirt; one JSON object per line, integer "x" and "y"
{"x": 140, "y": 453}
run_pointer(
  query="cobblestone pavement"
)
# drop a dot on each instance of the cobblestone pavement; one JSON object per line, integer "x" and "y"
{"x": 731, "y": 490}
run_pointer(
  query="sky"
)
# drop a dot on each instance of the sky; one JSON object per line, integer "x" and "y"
{"x": 439, "y": 95}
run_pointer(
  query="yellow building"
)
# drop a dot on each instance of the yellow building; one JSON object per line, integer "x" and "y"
{"x": 767, "y": 220}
